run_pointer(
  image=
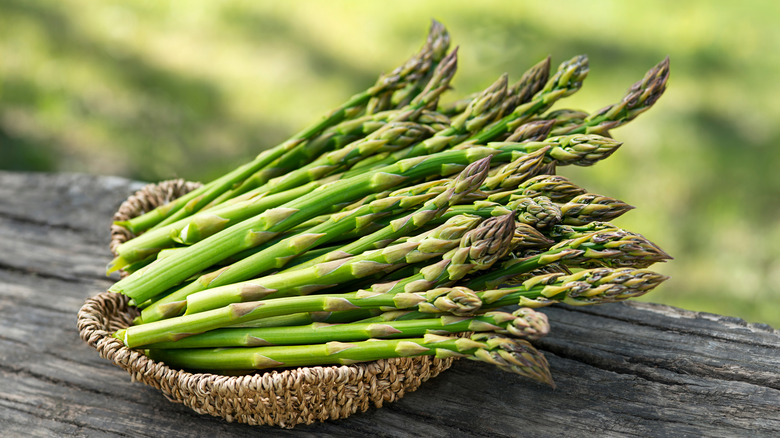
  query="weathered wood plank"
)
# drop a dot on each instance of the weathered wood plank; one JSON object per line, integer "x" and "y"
{"x": 621, "y": 370}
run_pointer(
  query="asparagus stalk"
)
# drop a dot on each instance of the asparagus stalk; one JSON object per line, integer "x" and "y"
{"x": 324, "y": 275}
{"x": 446, "y": 300}
{"x": 538, "y": 211}
{"x": 469, "y": 180}
{"x": 170, "y": 271}
{"x": 400, "y": 96}
{"x": 524, "y": 323}
{"x": 555, "y": 187}
{"x": 478, "y": 250}
{"x": 606, "y": 247}
{"x": 438, "y": 40}
{"x": 276, "y": 256}
{"x": 589, "y": 207}
{"x": 565, "y": 82}
{"x": 199, "y": 225}
{"x": 482, "y": 111}
{"x": 530, "y": 83}
{"x": 333, "y": 138}
{"x": 586, "y": 287}
{"x": 638, "y": 99}
{"x": 513, "y": 355}
{"x": 346, "y": 156}
{"x": 537, "y": 130}
{"x": 510, "y": 175}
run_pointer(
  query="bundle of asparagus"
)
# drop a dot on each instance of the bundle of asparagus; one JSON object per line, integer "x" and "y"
{"x": 395, "y": 226}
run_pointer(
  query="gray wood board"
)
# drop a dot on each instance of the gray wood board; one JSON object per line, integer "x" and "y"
{"x": 631, "y": 369}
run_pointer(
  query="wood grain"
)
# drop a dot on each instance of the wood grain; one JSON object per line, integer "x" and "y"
{"x": 621, "y": 370}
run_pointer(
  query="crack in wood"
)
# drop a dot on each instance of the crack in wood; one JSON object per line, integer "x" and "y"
{"x": 704, "y": 332}
{"x": 34, "y": 272}
{"x": 26, "y": 220}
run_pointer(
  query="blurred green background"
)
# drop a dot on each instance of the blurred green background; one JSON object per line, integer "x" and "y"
{"x": 155, "y": 89}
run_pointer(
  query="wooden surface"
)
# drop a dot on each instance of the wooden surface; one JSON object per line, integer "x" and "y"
{"x": 621, "y": 370}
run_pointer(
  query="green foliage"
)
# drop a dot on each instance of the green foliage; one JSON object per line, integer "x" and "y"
{"x": 154, "y": 90}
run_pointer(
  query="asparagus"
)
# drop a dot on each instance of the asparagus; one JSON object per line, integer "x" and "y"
{"x": 199, "y": 225}
{"x": 469, "y": 180}
{"x": 554, "y": 187}
{"x": 482, "y": 111}
{"x": 346, "y": 156}
{"x": 531, "y": 82}
{"x": 512, "y": 355}
{"x": 537, "y": 130}
{"x": 327, "y": 274}
{"x": 589, "y": 207}
{"x": 457, "y": 300}
{"x": 565, "y": 82}
{"x": 438, "y": 41}
{"x": 478, "y": 250}
{"x": 538, "y": 211}
{"x": 527, "y": 323}
{"x": 606, "y": 247}
{"x": 511, "y": 175}
{"x": 524, "y": 323}
{"x": 276, "y": 256}
{"x": 586, "y": 287}
{"x": 399, "y": 96}
{"x": 638, "y": 99}
{"x": 527, "y": 237}
{"x": 165, "y": 273}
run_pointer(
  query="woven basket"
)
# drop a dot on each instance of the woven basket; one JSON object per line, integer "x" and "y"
{"x": 280, "y": 398}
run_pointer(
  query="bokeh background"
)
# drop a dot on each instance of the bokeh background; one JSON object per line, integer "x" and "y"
{"x": 152, "y": 90}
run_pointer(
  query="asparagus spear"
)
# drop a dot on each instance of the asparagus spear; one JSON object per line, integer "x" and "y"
{"x": 538, "y": 211}
{"x": 530, "y": 83}
{"x": 586, "y": 287}
{"x": 348, "y": 155}
{"x": 478, "y": 250}
{"x": 606, "y": 247}
{"x": 525, "y": 323}
{"x": 469, "y": 180}
{"x": 327, "y": 274}
{"x": 206, "y": 223}
{"x": 276, "y": 256}
{"x": 638, "y": 99}
{"x": 400, "y": 96}
{"x": 482, "y": 111}
{"x": 170, "y": 271}
{"x": 537, "y": 130}
{"x": 201, "y": 225}
{"x": 589, "y": 207}
{"x": 438, "y": 40}
{"x": 510, "y": 175}
{"x": 565, "y": 82}
{"x": 512, "y": 355}
{"x": 461, "y": 301}
{"x": 554, "y": 187}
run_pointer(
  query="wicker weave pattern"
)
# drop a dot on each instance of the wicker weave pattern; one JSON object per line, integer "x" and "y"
{"x": 282, "y": 398}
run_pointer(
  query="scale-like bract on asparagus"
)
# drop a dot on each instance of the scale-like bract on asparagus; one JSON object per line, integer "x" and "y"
{"x": 392, "y": 227}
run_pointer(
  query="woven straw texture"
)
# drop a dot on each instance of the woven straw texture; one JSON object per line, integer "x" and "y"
{"x": 281, "y": 398}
